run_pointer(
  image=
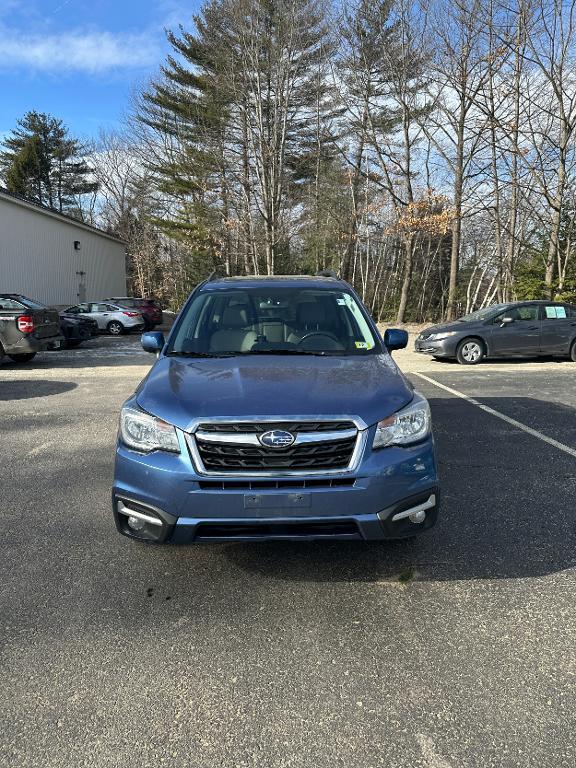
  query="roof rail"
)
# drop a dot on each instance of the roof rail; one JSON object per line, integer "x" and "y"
{"x": 327, "y": 273}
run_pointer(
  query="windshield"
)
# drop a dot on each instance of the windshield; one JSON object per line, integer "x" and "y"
{"x": 29, "y": 303}
{"x": 273, "y": 321}
{"x": 483, "y": 314}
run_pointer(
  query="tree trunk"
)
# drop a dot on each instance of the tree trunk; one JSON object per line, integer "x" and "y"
{"x": 451, "y": 308}
{"x": 555, "y": 225}
{"x": 407, "y": 278}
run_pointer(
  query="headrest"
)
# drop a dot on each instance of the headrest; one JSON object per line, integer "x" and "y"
{"x": 234, "y": 317}
{"x": 311, "y": 313}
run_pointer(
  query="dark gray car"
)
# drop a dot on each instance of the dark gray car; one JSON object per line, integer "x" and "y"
{"x": 516, "y": 329}
{"x": 27, "y": 327}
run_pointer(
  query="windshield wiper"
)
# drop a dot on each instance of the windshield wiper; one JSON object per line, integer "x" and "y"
{"x": 184, "y": 353}
{"x": 284, "y": 352}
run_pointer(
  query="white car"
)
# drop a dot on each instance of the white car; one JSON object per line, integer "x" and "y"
{"x": 110, "y": 317}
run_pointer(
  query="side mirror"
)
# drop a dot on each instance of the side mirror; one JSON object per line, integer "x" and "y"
{"x": 507, "y": 320}
{"x": 153, "y": 341}
{"x": 394, "y": 338}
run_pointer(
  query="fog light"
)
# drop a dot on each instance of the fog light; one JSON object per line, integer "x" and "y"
{"x": 416, "y": 514}
{"x": 135, "y": 523}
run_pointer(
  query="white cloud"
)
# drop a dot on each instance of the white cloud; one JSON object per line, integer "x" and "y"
{"x": 76, "y": 51}
{"x": 175, "y": 12}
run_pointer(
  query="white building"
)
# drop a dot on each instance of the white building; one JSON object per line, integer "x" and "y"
{"x": 55, "y": 259}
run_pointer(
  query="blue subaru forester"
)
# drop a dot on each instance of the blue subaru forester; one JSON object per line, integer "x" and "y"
{"x": 274, "y": 411}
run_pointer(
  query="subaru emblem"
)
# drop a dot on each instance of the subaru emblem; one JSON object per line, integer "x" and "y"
{"x": 277, "y": 438}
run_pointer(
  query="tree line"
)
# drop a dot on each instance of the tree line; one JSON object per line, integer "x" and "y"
{"x": 422, "y": 150}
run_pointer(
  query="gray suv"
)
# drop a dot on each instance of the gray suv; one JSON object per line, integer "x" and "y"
{"x": 516, "y": 329}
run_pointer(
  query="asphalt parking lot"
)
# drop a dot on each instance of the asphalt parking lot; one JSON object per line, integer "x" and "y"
{"x": 454, "y": 650}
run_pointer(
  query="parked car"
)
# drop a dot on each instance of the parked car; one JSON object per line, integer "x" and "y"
{"x": 151, "y": 311}
{"x": 515, "y": 329}
{"x": 109, "y": 317}
{"x": 26, "y": 327}
{"x": 274, "y": 411}
{"x": 77, "y": 328}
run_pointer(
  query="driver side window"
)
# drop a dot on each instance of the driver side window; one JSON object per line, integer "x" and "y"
{"x": 513, "y": 313}
{"x": 527, "y": 312}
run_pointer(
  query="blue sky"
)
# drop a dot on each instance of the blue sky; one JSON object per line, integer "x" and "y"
{"x": 80, "y": 60}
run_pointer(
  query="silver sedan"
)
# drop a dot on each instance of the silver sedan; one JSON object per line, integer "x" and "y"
{"x": 110, "y": 317}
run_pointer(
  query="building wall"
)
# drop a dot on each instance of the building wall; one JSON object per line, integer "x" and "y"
{"x": 38, "y": 259}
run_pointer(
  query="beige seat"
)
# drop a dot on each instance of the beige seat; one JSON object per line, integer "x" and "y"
{"x": 235, "y": 334}
{"x": 310, "y": 317}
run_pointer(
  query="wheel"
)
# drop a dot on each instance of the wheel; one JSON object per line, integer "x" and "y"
{"x": 23, "y": 358}
{"x": 115, "y": 327}
{"x": 470, "y": 352}
{"x": 572, "y": 352}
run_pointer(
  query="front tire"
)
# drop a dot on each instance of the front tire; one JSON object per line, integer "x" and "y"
{"x": 470, "y": 352}
{"x": 572, "y": 351}
{"x": 115, "y": 328}
{"x": 23, "y": 358}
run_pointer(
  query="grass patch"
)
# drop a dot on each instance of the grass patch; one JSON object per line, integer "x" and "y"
{"x": 407, "y": 575}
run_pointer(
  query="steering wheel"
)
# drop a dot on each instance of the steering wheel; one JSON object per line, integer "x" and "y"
{"x": 326, "y": 335}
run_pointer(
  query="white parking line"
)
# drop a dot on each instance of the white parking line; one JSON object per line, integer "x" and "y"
{"x": 507, "y": 419}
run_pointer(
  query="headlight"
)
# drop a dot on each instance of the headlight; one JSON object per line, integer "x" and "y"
{"x": 146, "y": 433}
{"x": 441, "y": 335}
{"x": 407, "y": 426}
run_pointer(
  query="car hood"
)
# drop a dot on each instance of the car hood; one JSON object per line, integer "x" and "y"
{"x": 460, "y": 327}
{"x": 179, "y": 390}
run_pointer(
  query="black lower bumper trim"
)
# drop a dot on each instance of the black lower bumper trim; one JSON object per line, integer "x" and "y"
{"x": 400, "y": 529}
{"x": 156, "y": 534}
{"x": 271, "y": 530}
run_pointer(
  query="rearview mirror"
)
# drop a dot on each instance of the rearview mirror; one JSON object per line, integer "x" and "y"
{"x": 153, "y": 341}
{"x": 507, "y": 320}
{"x": 395, "y": 338}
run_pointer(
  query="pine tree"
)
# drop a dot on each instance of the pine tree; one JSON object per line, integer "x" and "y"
{"x": 233, "y": 108}
{"x": 41, "y": 162}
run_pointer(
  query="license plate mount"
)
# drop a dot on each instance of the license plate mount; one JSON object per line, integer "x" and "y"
{"x": 277, "y": 500}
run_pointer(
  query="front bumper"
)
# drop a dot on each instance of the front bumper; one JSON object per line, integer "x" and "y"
{"x": 193, "y": 508}
{"x": 80, "y": 332}
{"x": 437, "y": 348}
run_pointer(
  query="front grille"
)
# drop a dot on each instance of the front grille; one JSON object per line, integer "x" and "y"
{"x": 231, "y": 457}
{"x": 290, "y": 426}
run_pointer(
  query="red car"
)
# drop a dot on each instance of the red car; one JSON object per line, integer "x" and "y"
{"x": 150, "y": 310}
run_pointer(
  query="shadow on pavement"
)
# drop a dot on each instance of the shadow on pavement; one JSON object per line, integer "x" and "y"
{"x": 506, "y": 507}
{"x": 507, "y": 513}
{"x": 25, "y": 389}
{"x": 496, "y": 361}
